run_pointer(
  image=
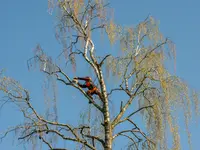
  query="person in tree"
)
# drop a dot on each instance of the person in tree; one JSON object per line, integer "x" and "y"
{"x": 92, "y": 89}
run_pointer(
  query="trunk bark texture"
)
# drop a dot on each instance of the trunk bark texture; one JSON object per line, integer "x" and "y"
{"x": 106, "y": 114}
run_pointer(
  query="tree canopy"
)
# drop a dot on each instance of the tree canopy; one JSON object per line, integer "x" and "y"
{"x": 143, "y": 86}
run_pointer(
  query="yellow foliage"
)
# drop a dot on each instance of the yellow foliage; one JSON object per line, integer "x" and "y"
{"x": 176, "y": 137}
{"x": 111, "y": 31}
{"x": 77, "y": 5}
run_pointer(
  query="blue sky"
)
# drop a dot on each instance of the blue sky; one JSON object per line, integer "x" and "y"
{"x": 25, "y": 23}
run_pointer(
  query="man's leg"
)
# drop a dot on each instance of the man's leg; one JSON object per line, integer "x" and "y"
{"x": 97, "y": 92}
{"x": 89, "y": 93}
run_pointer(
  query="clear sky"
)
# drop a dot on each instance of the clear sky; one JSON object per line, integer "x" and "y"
{"x": 25, "y": 23}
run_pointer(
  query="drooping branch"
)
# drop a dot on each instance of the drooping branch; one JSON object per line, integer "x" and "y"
{"x": 123, "y": 131}
{"x": 43, "y": 123}
{"x": 74, "y": 85}
{"x": 131, "y": 139}
{"x": 67, "y": 80}
{"x": 101, "y": 63}
{"x": 142, "y": 133}
{"x": 134, "y": 131}
{"x": 11, "y": 129}
{"x": 92, "y": 137}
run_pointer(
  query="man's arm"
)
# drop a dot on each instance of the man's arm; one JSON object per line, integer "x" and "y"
{"x": 82, "y": 85}
{"x": 80, "y": 78}
{"x": 75, "y": 80}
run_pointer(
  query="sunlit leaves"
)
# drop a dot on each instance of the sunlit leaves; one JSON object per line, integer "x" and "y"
{"x": 51, "y": 5}
{"x": 176, "y": 137}
{"x": 128, "y": 40}
{"x": 196, "y": 102}
{"x": 10, "y": 86}
{"x": 145, "y": 53}
{"x": 170, "y": 91}
{"x": 77, "y": 6}
{"x": 112, "y": 30}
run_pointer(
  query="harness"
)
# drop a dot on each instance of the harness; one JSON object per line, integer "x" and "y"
{"x": 90, "y": 85}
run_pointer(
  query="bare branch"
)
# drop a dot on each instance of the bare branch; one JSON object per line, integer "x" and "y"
{"x": 74, "y": 85}
{"x": 116, "y": 89}
{"x": 131, "y": 139}
{"x": 130, "y": 115}
{"x": 98, "y": 27}
{"x": 123, "y": 131}
{"x": 118, "y": 117}
{"x": 139, "y": 130}
{"x": 47, "y": 143}
{"x": 4, "y": 134}
{"x": 101, "y": 63}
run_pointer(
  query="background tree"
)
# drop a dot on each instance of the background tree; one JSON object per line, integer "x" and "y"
{"x": 143, "y": 86}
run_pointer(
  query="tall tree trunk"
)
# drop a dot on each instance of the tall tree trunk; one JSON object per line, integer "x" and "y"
{"x": 106, "y": 114}
{"x": 107, "y": 128}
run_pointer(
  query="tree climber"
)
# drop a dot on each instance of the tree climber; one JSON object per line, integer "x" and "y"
{"x": 92, "y": 89}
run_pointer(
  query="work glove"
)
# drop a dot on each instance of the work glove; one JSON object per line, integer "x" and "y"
{"x": 75, "y": 80}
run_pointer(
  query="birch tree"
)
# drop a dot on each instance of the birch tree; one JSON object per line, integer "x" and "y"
{"x": 138, "y": 69}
